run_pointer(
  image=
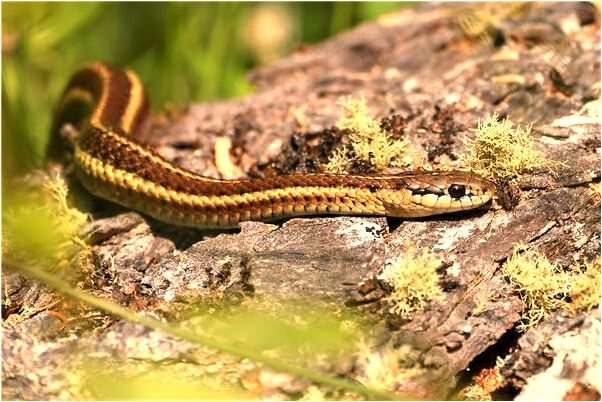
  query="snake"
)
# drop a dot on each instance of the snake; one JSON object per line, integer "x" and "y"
{"x": 109, "y": 110}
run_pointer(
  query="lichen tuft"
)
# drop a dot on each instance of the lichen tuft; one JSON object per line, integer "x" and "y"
{"x": 585, "y": 286}
{"x": 369, "y": 143}
{"x": 545, "y": 287}
{"x": 414, "y": 279}
{"x": 500, "y": 152}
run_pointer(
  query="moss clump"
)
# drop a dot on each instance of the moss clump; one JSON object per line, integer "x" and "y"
{"x": 500, "y": 152}
{"x": 585, "y": 287}
{"x": 369, "y": 143}
{"x": 544, "y": 286}
{"x": 414, "y": 279}
{"x": 386, "y": 368}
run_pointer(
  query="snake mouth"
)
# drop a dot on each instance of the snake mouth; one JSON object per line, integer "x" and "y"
{"x": 446, "y": 202}
{"x": 455, "y": 195}
{"x": 431, "y": 204}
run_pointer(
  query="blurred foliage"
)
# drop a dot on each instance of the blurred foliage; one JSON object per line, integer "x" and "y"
{"x": 304, "y": 334}
{"x": 132, "y": 376}
{"x": 184, "y": 51}
{"x": 294, "y": 329}
{"x": 38, "y": 225}
{"x": 158, "y": 383}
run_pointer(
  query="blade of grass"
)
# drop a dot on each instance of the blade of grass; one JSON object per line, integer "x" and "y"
{"x": 126, "y": 314}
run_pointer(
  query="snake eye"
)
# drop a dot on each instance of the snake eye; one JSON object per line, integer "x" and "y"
{"x": 457, "y": 190}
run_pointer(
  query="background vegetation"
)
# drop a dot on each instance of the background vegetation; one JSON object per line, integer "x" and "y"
{"x": 185, "y": 52}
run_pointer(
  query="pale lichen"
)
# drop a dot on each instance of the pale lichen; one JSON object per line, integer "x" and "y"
{"x": 545, "y": 287}
{"x": 585, "y": 286}
{"x": 385, "y": 368}
{"x": 369, "y": 143}
{"x": 414, "y": 279}
{"x": 339, "y": 161}
{"x": 477, "y": 23}
{"x": 502, "y": 151}
{"x": 481, "y": 305}
{"x": 542, "y": 286}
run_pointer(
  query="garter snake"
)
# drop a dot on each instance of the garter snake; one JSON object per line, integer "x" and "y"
{"x": 109, "y": 108}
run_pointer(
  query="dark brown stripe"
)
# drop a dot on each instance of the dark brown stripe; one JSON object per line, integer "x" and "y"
{"x": 141, "y": 122}
{"x": 118, "y": 96}
{"x": 122, "y": 156}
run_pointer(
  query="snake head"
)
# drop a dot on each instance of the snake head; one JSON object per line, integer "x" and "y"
{"x": 434, "y": 193}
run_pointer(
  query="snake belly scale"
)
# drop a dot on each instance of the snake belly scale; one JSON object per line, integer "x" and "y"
{"x": 109, "y": 108}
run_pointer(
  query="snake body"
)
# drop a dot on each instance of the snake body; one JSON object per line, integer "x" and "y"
{"x": 109, "y": 108}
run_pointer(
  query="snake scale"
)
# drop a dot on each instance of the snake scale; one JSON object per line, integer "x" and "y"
{"x": 109, "y": 108}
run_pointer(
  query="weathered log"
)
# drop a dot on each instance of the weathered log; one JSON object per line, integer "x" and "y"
{"x": 538, "y": 64}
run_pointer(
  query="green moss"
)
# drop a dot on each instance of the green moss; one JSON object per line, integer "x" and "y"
{"x": 414, "y": 279}
{"x": 368, "y": 141}
{"x": 501, "y": 151}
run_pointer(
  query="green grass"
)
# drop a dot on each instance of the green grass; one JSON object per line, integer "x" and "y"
{"x": 185, "y": 52}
